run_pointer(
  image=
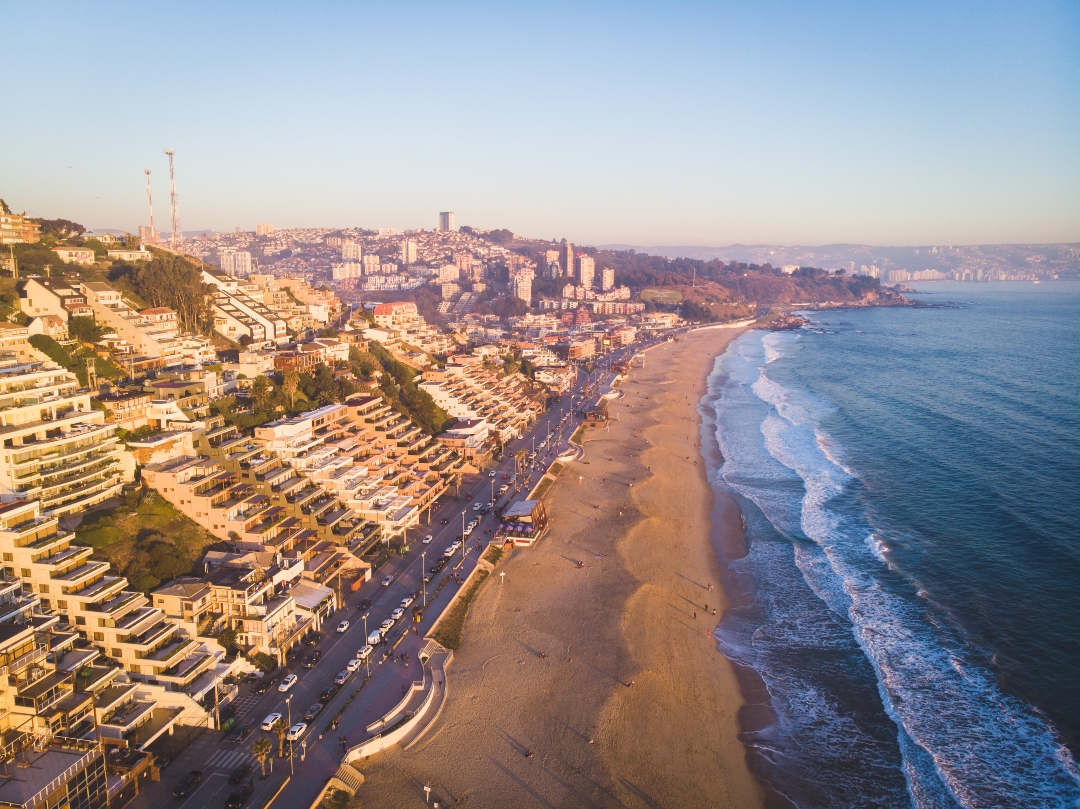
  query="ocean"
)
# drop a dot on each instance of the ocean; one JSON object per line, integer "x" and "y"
{"x": 910, "y": 589}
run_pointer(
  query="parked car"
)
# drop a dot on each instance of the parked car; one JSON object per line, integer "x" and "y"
{"x": 396, "y": 614}
{"x": 363, "y": 654}
{"x": 343, "y": 677}
{"x": 504, "y": 489}
{"x": 190, "y": 781}
{"x": 296, "y": 731}
{"x": 389, "y": 622}
{"x": 238, "y": 797}
{"x": 263, "y": 685}
{"x": 312, "y": 711}
{"x": 343, "y": 626}
{"x": 287, "y": 683}
{"x": 238, "y": 775}
{"x": 386, "y": 581}
{"x": 374, "y": 638}
{"x": 312, "y": 660}
{"x": 239, "y": 733}
{"x": 353, "y": 664}
{"x": 407, "y": 602}
{"x": 328, "y": 693}
{"x": 270, "y": 721}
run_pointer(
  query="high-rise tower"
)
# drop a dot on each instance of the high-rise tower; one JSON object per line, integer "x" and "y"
{"x": 446, "y": 220}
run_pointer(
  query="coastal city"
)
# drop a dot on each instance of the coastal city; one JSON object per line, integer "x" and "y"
{"x": 518, "y": 406}
{"x": 349, "y": 471}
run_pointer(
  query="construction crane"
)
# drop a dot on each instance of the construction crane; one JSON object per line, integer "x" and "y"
{"x": 150, "y": 197}
{"x": 174, "y": 237}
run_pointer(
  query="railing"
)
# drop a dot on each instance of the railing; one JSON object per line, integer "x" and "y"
{"x": 44, "y": 792}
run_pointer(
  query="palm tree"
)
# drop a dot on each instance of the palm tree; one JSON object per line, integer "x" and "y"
{"x": 289, "y": 385}
{"x": 262, "y": 750}
{"x": 280, "y": 730}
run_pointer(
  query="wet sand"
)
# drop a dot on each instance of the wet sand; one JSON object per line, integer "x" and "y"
{"x": 631, "y": 704}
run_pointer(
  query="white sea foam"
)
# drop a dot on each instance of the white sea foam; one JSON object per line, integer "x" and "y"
{"x": 964, "y": 742}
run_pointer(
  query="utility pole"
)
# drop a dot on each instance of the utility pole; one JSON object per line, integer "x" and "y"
{"x": 91, "y": 374}
{"x": 174, "y": 236}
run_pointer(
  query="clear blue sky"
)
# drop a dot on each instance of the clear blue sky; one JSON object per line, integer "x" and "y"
{"x": 643, "y": 123}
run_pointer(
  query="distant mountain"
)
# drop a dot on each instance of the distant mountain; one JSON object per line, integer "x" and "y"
{"x": 1043, "y": 259}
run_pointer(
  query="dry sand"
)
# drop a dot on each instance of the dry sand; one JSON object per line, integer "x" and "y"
{"x": 628, "y": 616}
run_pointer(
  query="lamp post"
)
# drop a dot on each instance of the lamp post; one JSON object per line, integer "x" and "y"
{"x": 288, "y": 704}
{"x": 463, "y": 537}
{"x": 367, "y": 660}
{"x": 423, "y": 574}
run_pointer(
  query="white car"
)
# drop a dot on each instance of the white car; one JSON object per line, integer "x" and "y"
{"x": 407, "y": 602}
{"x": 343, "y": 626}
{"x": 296, "y": 731}
{"x": 386, "y": 581}
{"x": 385, "y": 625}
{"x": 287, "y": 683}
{"x": 343, "y": 677}
{"x": 364, "y": 653}
{"x": 270, "y": 721}
{"x": 353, "y": 664}
{"x": 476, "y": 506}
{"x": 491, "y": 474}
{"x": 396, "y": 614}
{"x": 428, "y": 539}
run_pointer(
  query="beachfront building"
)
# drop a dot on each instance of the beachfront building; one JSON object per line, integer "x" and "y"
{"x": 468, "y": 389}
{"x": 58, "y": 450}
{"x": 90, "y": 602}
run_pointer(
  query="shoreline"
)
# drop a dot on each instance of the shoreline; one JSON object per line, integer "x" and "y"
{"x": 608, "y": 673}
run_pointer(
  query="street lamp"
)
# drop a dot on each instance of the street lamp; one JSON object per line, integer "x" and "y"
{"x": 288, "y": 704}
{"x": 464, "y": 539}
{"x": 423, "y": 574}
{"x": 367, "y": 660}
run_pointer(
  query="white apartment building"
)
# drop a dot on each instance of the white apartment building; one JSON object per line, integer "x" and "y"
{"x": 586, "y": 271}
{"x": 607, "y": 282}
{"x": 237, "y": 314}
{"x": 350, "y": 250}
{"x": 57, "y": 451}
{"x": 153, "y": 337}
{"x": 236, "y": 263}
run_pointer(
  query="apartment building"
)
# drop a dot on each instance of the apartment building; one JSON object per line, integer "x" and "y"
{"x": 57, "y": 450}
{"x": 154, "y": 336}
{"x": 16, "y": 229}
{"x": 466, "y": 389}
{"x": 90, "y": 603}
{"x": 238, "y": 315}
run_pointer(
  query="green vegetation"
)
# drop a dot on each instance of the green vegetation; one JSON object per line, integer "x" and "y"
{"x": 578, "y": 433}
{"x": 398, "y": 386}
{"x": 75, "y": 360}
{"x": 85, "y": 329}
{"x": 146, "y": 539}
{"x": 542, "y": 489}
{"x": 452, "y": 624}
{"x": 173, "y": 281}
{"x": 494, "y": 554}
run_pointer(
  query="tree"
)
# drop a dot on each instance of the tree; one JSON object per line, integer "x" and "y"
{"x": 172, "y": 281}
{"x": 262, "y": 750}
{"x": 261, "y": 390}
{"x": 289, "y": 385}
{"x": 85, "y": 329}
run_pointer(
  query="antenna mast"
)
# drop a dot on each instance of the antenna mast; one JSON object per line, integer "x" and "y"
{"x": 150, "y": 197}
{"x": 174, "y": 237}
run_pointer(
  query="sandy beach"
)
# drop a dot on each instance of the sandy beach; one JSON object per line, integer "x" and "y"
{"x": 631, "y": 704}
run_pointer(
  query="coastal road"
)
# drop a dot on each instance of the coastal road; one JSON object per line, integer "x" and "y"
{"x": 316, "y": 756}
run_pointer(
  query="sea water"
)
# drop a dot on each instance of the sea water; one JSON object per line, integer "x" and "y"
{"x": 910, "y": 594}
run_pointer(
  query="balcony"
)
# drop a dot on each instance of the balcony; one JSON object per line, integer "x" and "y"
{"x": 154, "y": 635}
{"x": 105, "y": 588}
{"x": 170, "y": 651}
{"x": 82, "y": 573}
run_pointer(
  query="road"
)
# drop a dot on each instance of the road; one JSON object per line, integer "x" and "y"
{"x": 316, "y": 758}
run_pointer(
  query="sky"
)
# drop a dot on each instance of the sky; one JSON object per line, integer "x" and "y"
{"x": 639, "y": 123}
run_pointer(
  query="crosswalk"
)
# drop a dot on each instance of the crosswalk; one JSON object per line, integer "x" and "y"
{"x": 227, "y": 759}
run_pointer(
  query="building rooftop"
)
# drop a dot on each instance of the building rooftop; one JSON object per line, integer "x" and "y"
{"x": 52, "y": 765}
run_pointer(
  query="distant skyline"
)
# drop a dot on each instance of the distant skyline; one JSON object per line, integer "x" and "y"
{"x": 677, "y": 123}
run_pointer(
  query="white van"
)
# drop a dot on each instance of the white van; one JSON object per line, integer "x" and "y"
{"x": 374, "y": 638}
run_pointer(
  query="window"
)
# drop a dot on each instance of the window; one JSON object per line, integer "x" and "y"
{"x": 80, "y": 621}
{"x": 25, "y": 573}
{"x": 61, "y": 605}
{"x": 43, "y": 588}
{"x": 99, "y": 636}
{"x": 9, "y": 557}
{"x": 116, "y": 653}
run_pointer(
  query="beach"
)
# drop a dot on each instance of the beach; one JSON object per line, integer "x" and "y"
{"x": 606, "y": 673}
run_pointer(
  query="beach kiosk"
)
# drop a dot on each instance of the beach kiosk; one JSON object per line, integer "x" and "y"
{"x": 523, "y": 523}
